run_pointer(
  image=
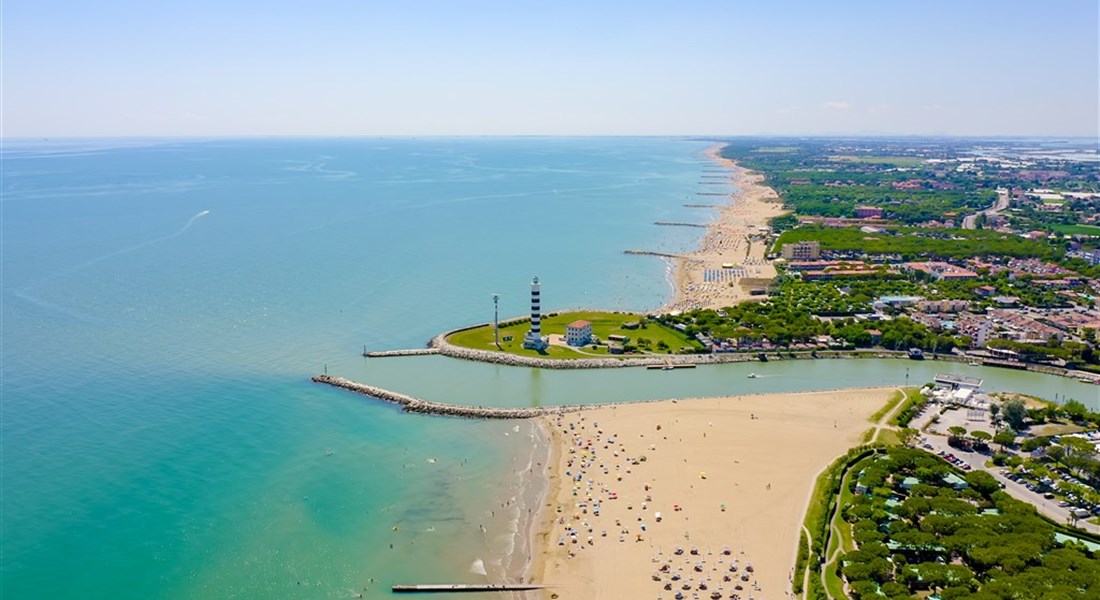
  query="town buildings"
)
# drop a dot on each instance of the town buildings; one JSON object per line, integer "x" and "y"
{"x": 802, "y": 251}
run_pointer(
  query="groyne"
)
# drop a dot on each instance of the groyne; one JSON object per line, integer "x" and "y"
{"x": 426, "y": 407}
{"x": 679, "y": 224}
{"x": 406, "y": 352}
{"x": 650, "y": 253}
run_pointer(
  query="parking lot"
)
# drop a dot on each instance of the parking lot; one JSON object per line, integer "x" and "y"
{"x": 1035, "y": 491}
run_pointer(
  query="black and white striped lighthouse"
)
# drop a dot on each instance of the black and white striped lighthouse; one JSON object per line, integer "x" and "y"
{"x": 534, "y": 340}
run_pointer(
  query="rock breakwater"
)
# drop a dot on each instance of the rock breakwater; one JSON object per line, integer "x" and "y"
{"x": 426, "y": 407}
{"x": 406, "y": 352}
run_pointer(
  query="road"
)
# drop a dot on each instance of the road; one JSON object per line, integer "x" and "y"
{"x": 971, "y": 221}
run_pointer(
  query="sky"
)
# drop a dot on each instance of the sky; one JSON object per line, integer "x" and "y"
{"x": 111, "y": 68}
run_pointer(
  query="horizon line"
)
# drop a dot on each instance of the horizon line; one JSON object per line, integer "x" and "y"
{"x": 715, "y": 137}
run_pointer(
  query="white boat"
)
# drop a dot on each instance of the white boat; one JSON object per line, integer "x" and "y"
{"x": 752, "y": 375}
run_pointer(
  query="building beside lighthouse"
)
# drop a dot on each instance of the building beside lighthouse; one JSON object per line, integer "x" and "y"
{"x": 578, "y": 333}
{"x": 534, "y": 340}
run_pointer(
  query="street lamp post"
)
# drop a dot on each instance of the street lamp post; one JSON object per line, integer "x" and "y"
{"x": 496, "y": 320}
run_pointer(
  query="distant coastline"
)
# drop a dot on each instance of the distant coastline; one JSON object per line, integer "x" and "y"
{"x": 735, "y": 242}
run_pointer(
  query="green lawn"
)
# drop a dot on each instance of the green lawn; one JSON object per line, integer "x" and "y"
{"x": 776, "y": 149}
{"x": 885, "y": 410}
{"x": 888, "y": 437}
{"x": 901, "y": 161}
{"x": 603, "y": 325}
{"x": 1076, "y": 229}
{"x": 913, "y": 397}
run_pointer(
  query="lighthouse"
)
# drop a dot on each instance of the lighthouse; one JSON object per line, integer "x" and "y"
{"x": 533, "y": 340}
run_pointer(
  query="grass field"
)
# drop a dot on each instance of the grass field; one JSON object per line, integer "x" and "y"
{"x": 603, "y": 325}
{"x": 1076, "y": 229}
{"x": 901, "y": 161}
{"x": 888, "y": 437}
{"x": 889, "y": 406}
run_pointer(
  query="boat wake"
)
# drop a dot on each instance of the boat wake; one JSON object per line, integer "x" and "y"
{"x": 26, "y": 292}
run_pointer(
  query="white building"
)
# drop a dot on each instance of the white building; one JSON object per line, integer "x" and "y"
{"x": 952, "y": 381}
{"x": 578, "y": 333}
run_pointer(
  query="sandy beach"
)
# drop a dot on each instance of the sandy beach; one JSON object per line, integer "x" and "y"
{"x": 734, "y": 238}
{"x": 708, "y": 493}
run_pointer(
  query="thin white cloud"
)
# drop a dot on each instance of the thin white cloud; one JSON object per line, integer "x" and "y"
{"x": 838, "y": 105}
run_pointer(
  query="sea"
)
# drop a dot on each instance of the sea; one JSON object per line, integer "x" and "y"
{"x": 165, "y": 301}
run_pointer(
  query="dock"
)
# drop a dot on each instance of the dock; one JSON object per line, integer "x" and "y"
{"x": 670, "y": 367}
{"x": 465, "y": 587}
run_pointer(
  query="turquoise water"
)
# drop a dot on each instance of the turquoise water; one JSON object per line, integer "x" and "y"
{"x": 165, "y": 301}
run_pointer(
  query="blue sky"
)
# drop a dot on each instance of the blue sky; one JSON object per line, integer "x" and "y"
{"x": 245, "y": 67}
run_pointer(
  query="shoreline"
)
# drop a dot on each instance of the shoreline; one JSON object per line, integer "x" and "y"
{"x": 737, "y": 236}
{"x": 541, "y": 522}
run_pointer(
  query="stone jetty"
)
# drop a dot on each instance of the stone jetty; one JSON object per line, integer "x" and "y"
{"x": 650, "y": 253}
{"x": 406, "y": 352}
{"x": 426, "y": 407}
{"x": 679, "y": 224}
